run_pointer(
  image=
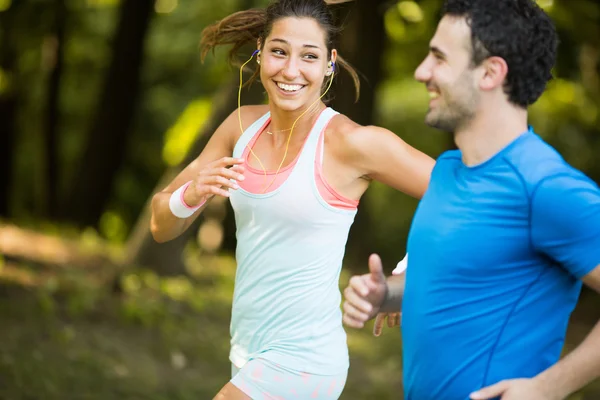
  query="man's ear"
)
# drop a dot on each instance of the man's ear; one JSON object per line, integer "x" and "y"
{"x": 495, "y": 70}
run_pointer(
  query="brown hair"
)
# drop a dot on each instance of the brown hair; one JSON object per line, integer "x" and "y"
{"x": 244, "y": 27}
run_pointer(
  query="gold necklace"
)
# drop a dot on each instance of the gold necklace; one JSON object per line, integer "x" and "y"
{"x": 289, "y": 129}
{"x": 283, "y": 130}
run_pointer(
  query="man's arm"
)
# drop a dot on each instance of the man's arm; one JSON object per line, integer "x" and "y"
{"x": 565, "y": 220}
{"x": 393, "y": 318}
{"x": 395, "y": 291}
{"x": 582, "y": 365}
{"x": 571, "y": 373}
{"x": 394, "y": 301}
{"x": 572, "y": 238}
{"x": 366, "y": 295}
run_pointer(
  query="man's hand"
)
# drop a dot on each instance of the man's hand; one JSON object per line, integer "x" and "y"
{"x": 393, "y": 320}
{"x": 514, "y": 389}
{"x": 365, "y": 295}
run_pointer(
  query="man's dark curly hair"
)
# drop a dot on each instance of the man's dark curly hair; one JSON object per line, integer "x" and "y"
{"x": 518, "y": 31}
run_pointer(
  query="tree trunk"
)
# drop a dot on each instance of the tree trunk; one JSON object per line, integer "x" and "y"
{"x": 8, "y": 109}
{"x": 166, "y": 258}
{"x": 54, "y": 62}
{"x": 362, "y": 43}
{"x": 111, "y": 126}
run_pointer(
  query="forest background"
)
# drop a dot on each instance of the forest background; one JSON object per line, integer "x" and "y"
{"x": 103, "y": 101}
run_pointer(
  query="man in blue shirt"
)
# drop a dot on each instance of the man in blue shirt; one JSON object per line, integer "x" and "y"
{"x": 506, "y": 233}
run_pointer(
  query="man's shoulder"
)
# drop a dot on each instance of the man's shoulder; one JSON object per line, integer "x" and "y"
{"x": 534, "y": 161}
{"x": 450, "y": 156}
{"x": 448, "y": 159}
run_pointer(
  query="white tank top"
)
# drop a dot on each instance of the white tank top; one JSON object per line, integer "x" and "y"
{"x": 290, "y": 246}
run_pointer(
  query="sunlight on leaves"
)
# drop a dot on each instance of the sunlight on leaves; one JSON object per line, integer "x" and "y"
{"x": 394, "y": 26}
{"x": 146, "y": 311}
{"x": 131, "y": 283}
{"x": 102, "y": 3}
{"x": 180, "y": 137}
{"x": 410, "y": 11}
{"x": 113, "y": 226}
{"x": 5, "y": 5}
{"x": 90, "y": 240}
{"x": 177, "y": 288}
{"x": 413, "y": 101}
{"x": 562, "y": 98}
{"x": 564, "y": 91}
{"x": 165, "y": 6}
{"x": 545, "y": 4}
{"x": 151, "y": 280}
{"x": 589, "y": 113}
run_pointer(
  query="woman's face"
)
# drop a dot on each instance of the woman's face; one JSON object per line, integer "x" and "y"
{"x": 293, "y": 63}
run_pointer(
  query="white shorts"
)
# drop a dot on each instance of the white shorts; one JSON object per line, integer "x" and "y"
{"x": 263, "y": 380}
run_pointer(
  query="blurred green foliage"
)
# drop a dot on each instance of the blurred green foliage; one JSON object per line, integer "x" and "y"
{"x": 161, "y": 338}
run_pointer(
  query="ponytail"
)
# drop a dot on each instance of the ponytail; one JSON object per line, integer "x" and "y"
{"x": 353, "y": 74}
{"x": 238, "y": 29}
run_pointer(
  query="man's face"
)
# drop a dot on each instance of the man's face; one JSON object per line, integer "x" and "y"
{"x": 449, "y": 76}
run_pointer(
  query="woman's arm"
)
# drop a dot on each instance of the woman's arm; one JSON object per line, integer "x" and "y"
{"x": 211, "y": 174}
{"x": 382, "y": 156}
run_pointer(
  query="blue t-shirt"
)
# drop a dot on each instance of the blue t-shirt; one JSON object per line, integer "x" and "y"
{"x": 496, "y": 256}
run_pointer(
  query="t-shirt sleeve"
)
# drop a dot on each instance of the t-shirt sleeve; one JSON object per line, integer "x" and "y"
{"x": 401, "y": 266}
{"x": 565, "y": 221}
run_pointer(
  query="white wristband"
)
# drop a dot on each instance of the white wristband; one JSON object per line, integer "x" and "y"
{"x": 401, "y": 266}
{"x": 178, "y": 206}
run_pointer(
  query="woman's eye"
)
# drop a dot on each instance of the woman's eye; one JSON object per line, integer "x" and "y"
{"x": 279, "y": 52}
{"x": 311, "y": 56}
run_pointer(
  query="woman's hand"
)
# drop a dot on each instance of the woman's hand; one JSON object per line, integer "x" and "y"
{"x": 215, "y": 179}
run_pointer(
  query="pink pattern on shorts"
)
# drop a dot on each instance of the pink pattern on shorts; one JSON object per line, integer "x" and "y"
{"x": 263, "y": 380}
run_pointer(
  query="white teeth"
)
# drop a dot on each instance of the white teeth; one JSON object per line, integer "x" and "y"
{"x": 289, "y": 88}
{"x": 434, "y": 95}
